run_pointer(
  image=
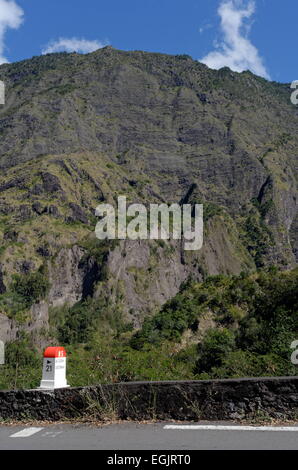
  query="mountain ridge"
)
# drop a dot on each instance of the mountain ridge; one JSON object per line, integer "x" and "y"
{"x": 79, "y": 130}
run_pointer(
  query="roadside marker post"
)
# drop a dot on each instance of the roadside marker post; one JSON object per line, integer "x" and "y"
{"x": 54, "y": 369}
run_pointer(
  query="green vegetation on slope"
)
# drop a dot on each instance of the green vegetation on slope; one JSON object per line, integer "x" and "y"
{"x": 23, "y": 292}
{"x": 157, "y": 128}
{"x": 254, "y": 320}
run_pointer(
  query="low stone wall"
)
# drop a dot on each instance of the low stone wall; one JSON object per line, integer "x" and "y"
{"x": 209, "y": 400}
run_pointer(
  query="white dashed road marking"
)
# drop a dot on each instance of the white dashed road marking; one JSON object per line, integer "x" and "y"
{"x": 198, "y": 427}
{"x": 27, "y": 432}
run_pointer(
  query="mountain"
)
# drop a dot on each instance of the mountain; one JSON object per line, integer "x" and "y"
{"x": 79, "y": 130}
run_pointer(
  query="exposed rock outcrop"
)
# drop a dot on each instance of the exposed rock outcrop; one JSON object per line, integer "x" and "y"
{"x": 156, "y": 128}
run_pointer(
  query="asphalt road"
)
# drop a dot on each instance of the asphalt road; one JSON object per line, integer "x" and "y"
{"x": 132, "y": 436}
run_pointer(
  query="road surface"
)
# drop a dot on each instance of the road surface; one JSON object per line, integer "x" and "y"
{"x": 157, "y": 436}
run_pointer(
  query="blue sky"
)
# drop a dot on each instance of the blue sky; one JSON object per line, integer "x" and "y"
{"x": 255, "y": 34}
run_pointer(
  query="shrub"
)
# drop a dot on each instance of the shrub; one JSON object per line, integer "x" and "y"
{"x": 30, "y": 287}
{"x": 174, "y": 318}
{"x": 214, "y": 347}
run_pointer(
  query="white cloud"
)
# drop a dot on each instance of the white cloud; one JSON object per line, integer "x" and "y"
{"x": 73, "y": 45}
{"x": 11, "y": 16}
{"x": 235, "y": 50}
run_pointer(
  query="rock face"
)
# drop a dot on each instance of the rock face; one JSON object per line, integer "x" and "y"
{"x": 37, "y": 322}
{"x": 67, "y": 276}
{"x": 146, "y": 279}
{"x": 78, "y": 130}
{"x": 7, "y": 332}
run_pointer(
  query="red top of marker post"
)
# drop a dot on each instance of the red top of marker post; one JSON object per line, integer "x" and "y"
{"x": 55, "y": 352}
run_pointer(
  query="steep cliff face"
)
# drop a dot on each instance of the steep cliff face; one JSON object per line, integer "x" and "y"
{"x": 79, "y": 130}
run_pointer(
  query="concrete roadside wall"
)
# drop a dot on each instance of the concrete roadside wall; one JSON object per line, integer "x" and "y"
{"x": 211, "y": 400}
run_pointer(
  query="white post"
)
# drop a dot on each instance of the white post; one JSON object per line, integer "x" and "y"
{"x": 54, "y": 369}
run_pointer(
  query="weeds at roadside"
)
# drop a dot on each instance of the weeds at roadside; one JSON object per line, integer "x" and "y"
{"x": 103, "y": 408}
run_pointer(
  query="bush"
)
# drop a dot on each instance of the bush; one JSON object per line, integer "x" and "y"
{"x": 240, "y": 363}
{"x": 30, "y": 287}
{"x": 175, "y": 317}
{"x": 213, "y": 349}
{"x": 23, "y": 364}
